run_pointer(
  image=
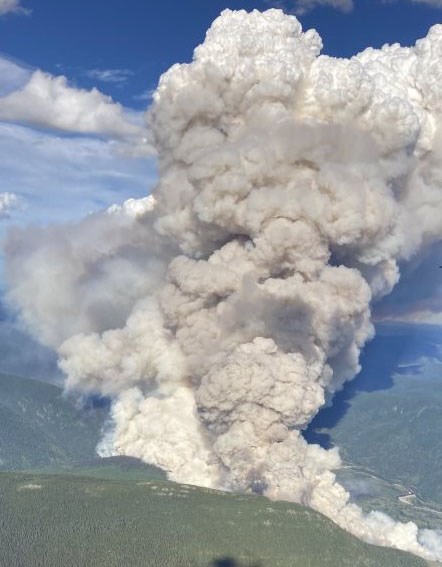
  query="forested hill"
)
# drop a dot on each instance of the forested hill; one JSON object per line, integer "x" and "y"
{"x": 40, "y": 428}
{"x": 49, "y": 521}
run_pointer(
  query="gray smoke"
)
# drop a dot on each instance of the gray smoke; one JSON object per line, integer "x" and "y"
{"x": 222, "y": 314}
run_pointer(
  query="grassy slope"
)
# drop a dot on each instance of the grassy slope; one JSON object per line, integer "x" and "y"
{"x": 53, "y": 521}
{"x": 41, "y": 428}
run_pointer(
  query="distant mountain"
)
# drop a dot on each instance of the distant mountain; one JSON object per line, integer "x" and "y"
{"x": 397, "y": 433}
{"x": 39, "y": 428}
{"x": 388, "y": 421}
{"x": 113, "y": 468}
{"x": 21, "y": 355}
{"x": 53, "y": 521}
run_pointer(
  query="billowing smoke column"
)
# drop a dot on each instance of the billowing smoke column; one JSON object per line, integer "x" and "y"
{"x": 225, "y": 311}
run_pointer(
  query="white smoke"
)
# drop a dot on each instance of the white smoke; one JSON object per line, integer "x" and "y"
{"x": 224, "y": 317}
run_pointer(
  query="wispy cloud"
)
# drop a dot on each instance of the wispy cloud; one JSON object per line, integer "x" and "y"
{"x": 116, "y": 76}
{"x": 12, "y": 7}
{"x": 434, "y": 3}
{"x": 8, "y": 202}
{"x": 145, "y": 96}
{"x": 301, "y": 7}
{"x": 63, "y": 178}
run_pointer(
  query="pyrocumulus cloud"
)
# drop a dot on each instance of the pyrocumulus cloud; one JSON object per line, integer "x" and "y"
{"x": 225, "y": 311}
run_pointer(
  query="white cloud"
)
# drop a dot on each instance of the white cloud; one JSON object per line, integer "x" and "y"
{"x": 110, "y": 75}
{"x": 51, "y": 102}
{"x": 8, "y": 202}
{"x": 12, "y": 6}
{"x": 34, "y": 98}
{"x": 303, "y": 6}
{"x": 98, "y": 159}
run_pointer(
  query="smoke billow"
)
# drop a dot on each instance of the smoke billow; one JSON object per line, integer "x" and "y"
{"x": 222, "y": 318}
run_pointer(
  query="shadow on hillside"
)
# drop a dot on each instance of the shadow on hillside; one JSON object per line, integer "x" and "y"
{"x": 394, "y": 350}
{"x": 229, "y": 562}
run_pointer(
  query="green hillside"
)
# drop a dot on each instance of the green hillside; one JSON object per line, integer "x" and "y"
{"x": 40, "y": 428}
{"x": 53, "y": 521}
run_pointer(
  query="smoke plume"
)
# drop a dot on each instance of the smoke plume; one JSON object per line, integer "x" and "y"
{"x": 225, "y": 311}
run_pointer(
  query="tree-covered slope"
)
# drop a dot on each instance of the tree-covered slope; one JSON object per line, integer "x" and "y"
{"x": 49, "y": 521}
